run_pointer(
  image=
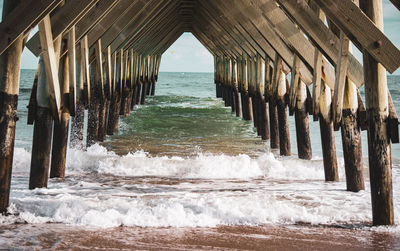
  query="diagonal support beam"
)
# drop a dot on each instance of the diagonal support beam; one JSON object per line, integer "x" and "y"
{"x": 13, "y": 25}
{"x": 362, "y": 31}
{"x": 49, "y": 58}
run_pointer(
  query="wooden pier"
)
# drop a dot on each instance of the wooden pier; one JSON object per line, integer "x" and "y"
{"x": 104, "y": 56}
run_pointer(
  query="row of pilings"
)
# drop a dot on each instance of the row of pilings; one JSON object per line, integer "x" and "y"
{"x": 107, "y": 85}
{"x": 255, "y": 45}
{"x": 259, "y": 91}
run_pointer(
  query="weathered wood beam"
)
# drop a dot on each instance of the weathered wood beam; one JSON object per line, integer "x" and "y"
{"x": 379, "y": 149}
{"x": 10, "y": 62}
{"x": 122, "y": 22}
{"x": 110, "y": 19}
{"x": 72, "y": 71}
{"x": 148, "y": 17}
{"x": 244, "y": 27}
{"x": 279, "y": 45}
{"x": 152, "y": 24}
{"x": 32, "y": 11}
{"x": 92, "y": 18}
{"x": 362, "y": 31}
{"x": 69, "y": 14}
{"x": 316, "y": 30}
{"x": 148, "y": 37}
{"x": 238, "y": 33}
{"x": 230, "y": 34}
{"x": 341, "y": 74}
{"x": 215, "y": 36}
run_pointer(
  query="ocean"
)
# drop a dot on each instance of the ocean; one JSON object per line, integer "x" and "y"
{"x": 183, "y": 172}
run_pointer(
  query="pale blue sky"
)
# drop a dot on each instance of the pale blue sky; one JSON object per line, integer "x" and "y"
{"x": 187, "y": 54}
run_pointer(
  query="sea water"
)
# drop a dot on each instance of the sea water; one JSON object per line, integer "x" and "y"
{"x": 184, "y": 160}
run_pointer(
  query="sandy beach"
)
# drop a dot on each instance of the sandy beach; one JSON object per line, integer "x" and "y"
{"x": 294, "y": 237}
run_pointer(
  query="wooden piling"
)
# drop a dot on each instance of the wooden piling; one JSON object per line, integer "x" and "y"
{"x": 327, "y": 133}
{"x": 283, "y": 120}
{"x": 77, "y": 122}
{"x": 144, "y": 92}
{"x": 42, "y": 132}
{"x": 379, "y": 149}
{"x": 153, "y": 87}
{"x": 10, "y": 61}
{"x": 48, "y": 106}
{"x": 351, "y": 139}
{"x": 302, "y": 124}
{"x": 272, "y": 110}
{"x": 60, "y": 130}
{"x": 113, "y": 115}
{"x": 125, "y": 86}
{"x": 94, "y": 109}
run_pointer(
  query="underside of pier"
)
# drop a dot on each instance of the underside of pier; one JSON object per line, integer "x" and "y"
{"x": 272, "y": 59}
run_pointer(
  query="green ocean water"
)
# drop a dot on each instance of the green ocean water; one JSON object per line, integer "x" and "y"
{"x": 185, "y": 117}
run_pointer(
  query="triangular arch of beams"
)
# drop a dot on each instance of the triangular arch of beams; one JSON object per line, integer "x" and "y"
{"x": 123, "y": 40}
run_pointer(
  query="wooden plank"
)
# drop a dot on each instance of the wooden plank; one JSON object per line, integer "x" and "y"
{"x": 109, "y": 19}
{"x": 12, "y": 26}
{"x": 247, "y": 35}
{"x": 94, "y": 16}
{"x": 326, "y": 41}
{"x": 238, "y": 36}
{"x": 114, "y": 31}
{"x": 280, "y": 45}
{"x": 72, "y": 70}
{"x": 362, "y": 31}
{"x": 243, "y": 35}
{"x": 49, "y": 58}
{"x": 340, "y": 79}
{"x": 317, "y": 83}
{"x": 62, "y": 20}
{"x": 143, "y": 20}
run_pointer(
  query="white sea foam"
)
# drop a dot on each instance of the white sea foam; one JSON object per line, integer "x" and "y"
{"x": 206, "y": 190}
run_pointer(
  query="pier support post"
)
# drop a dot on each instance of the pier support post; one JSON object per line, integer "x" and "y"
{"x": 42, "y": 132}
{"x": 115, "y": 103}
{"x": 283, "y": 120}
{"x": 271, "y": 109}
{"x": 139, "y": 91}
{"x": 48, "y": 106}
{"x": 153, "y": 87}
{"x": 60, "y": 130}
{"x": 237, "y": 103}
{"x": 94, "y": 110}
{"x": 144, "y": 92}
{"x": 76, "y": 138}
{"x": 327, "y": 133}
{"x": 264, "y": 123}
{"x": 351, "y": 139}
{"x": 77, "y": 123}
{"x": 379, "y": 149}
{"x": 302, "y": 123}
{"x": 10, "y": 62}
{"x": 273, "y": 124}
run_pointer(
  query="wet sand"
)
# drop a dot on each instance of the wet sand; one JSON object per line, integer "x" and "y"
{"x": 292, "y": 237}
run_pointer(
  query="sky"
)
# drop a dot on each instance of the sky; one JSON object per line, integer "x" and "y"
{"x": 187, "y": 54}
